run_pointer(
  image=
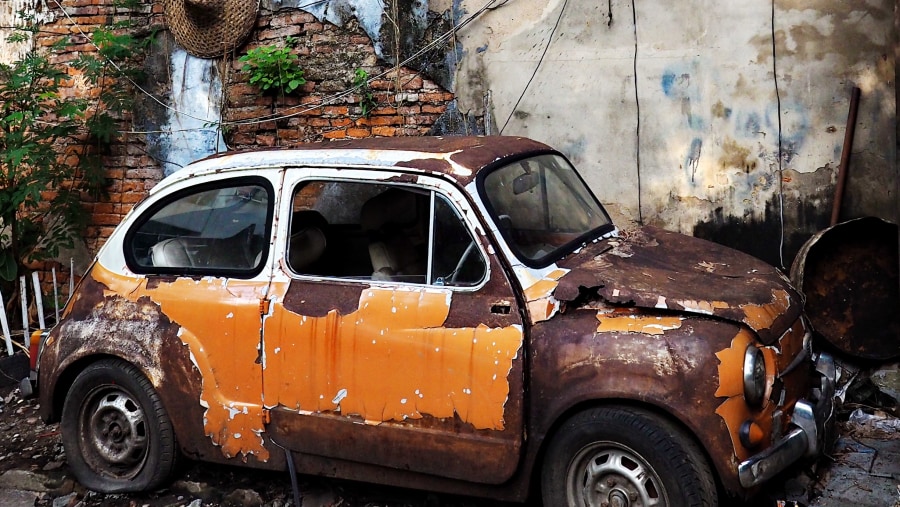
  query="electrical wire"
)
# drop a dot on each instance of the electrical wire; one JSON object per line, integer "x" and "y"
{"x": 446, "y": 36}
{"x": 780, "y": 154}
{"x": 637, "y": 103}
{"x": 536, "y": 67}
{"x": 324, "y": 101}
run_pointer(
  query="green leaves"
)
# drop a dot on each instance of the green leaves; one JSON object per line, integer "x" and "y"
{"x": 8, "y": 269}
{"x": 274, "y": 69}
{"x": 367, "y": 101}
{"x": 42, "y": 186}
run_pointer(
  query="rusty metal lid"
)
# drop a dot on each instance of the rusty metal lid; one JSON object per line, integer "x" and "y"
{"x": 849, "y": 275}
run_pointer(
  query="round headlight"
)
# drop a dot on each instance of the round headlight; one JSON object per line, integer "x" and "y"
{"x": 754, "y": 376}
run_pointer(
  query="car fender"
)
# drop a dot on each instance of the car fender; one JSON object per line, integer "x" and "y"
{"x": 664, "y": 361}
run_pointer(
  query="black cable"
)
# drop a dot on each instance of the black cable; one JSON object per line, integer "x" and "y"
{"x": 780, "y": 154}
{"x": 295, "y": 488}
{"x": 637, "y": 103}
{"x": 536, "y": 67}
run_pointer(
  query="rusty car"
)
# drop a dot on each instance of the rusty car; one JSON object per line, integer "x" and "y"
{"x": 451, "y": 314}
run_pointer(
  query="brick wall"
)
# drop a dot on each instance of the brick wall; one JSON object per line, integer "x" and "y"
{"x": 407, "y": 103}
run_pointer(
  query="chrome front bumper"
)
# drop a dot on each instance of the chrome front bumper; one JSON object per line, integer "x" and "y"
{"x": 811, "y": 423}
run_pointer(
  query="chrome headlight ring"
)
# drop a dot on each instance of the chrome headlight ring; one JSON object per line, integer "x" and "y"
{"x": 754, "y": 376}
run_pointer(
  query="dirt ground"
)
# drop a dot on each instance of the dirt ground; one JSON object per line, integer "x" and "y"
{"x": 33, "y": 466}
{"x": 30, "y": 446}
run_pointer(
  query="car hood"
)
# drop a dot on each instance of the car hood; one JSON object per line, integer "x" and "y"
{"x": 653, "y": 268}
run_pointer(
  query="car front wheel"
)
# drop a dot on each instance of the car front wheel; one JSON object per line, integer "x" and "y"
{"x": 116, "y": 433}
{"x": 625, "y": 457}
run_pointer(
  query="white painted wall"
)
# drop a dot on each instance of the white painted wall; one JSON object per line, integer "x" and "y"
{"x": 191, "y": 131}
{"x": 10, "y": 11}
{"x": 706, "y": 91}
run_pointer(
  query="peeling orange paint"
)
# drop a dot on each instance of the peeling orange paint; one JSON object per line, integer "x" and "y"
{"x": 762, "y": 316}
{"x": 731, "y": 366}
{"x": 734, "y": 411}
{"x": 221, "y": 326}
{"x": 636, "y": 323}
{"x": 539, "y": 296}
{"x": 390, "y": 360}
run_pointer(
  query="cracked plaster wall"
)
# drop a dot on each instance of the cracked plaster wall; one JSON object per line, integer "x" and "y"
{"x": 673, "y": 114}
{"x": 705, "y": 97}
{"x": 688, "y": 90}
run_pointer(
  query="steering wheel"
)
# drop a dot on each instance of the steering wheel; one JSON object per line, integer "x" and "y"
{"x": 462, "y": 260}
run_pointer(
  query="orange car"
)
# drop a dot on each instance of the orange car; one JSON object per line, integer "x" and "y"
{"x": 457, "y": 315}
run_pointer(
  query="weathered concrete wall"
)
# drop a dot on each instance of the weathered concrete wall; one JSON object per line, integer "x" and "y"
{"x": 10, "y": 52}
{"x": 674, "y": 114}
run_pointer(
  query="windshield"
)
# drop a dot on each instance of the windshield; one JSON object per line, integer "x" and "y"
{"x": 543, "y": 208}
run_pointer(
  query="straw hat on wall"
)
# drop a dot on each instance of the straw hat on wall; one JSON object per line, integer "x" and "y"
{"x": 210, "y": 28}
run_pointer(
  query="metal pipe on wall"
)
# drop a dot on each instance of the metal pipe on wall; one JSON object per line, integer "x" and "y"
{"x": 845, "y": 156}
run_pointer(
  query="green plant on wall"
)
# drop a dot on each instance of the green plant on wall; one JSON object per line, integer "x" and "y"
{"x": 41, "y": 187}
{"x": 367, "y": 100}
{"x": 274, "y": 69}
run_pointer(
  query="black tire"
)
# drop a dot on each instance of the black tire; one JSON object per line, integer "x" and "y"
{"x": 624, "y": 456}
{"x": 115, "y": 430}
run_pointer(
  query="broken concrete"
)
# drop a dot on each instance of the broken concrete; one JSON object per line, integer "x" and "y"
{"x": 887, "y": 379}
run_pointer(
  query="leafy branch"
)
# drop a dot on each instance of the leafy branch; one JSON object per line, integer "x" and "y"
{"x": 367, "y": 100}
{"x": 43, "y": 175}
{"x": 274, "y": 69}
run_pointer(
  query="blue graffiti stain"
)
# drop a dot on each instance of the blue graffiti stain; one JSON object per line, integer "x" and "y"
{"x": 696, "y": 122}
{"x": 668, "y": 80}
{"x": 750, "y": 125}
{"x": 693, "y": 159}
{"x": 794, "y": 128}
{"x": 678, "y": 85}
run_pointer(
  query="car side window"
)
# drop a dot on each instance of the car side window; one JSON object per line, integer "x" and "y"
{"x": 210, "y": 230}
{"x": 374, "y": 231}
{"x": 457, "y": 259}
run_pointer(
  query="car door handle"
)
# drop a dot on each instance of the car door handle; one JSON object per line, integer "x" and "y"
{"x": 502, "y": 308}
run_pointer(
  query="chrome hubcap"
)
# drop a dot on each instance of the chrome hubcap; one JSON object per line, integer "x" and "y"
{"x": 114, "y": 433}
{"x": 607, "y": 474}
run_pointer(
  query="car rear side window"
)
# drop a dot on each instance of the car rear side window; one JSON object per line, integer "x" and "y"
{"x": 210, "y": 230}
{"x": 375, "y": 231}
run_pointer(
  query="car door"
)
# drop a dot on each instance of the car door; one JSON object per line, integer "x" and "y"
{"x": 203, "y": 251}
{"x": 394, "y": 336}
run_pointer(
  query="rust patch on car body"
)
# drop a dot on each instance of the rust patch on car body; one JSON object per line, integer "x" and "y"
{"x": 673, "y": 371}
{"x": 668, "y": 271}
{"x": 391, "y": 359}
{"x": 662, "y": 275}
{"x": 221, "y": 329}
{"x": 100, "y": 324}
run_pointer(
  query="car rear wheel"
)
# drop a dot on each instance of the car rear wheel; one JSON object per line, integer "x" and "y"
{"x": 624, "y": 457}
{"x": 115, "y": 430}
